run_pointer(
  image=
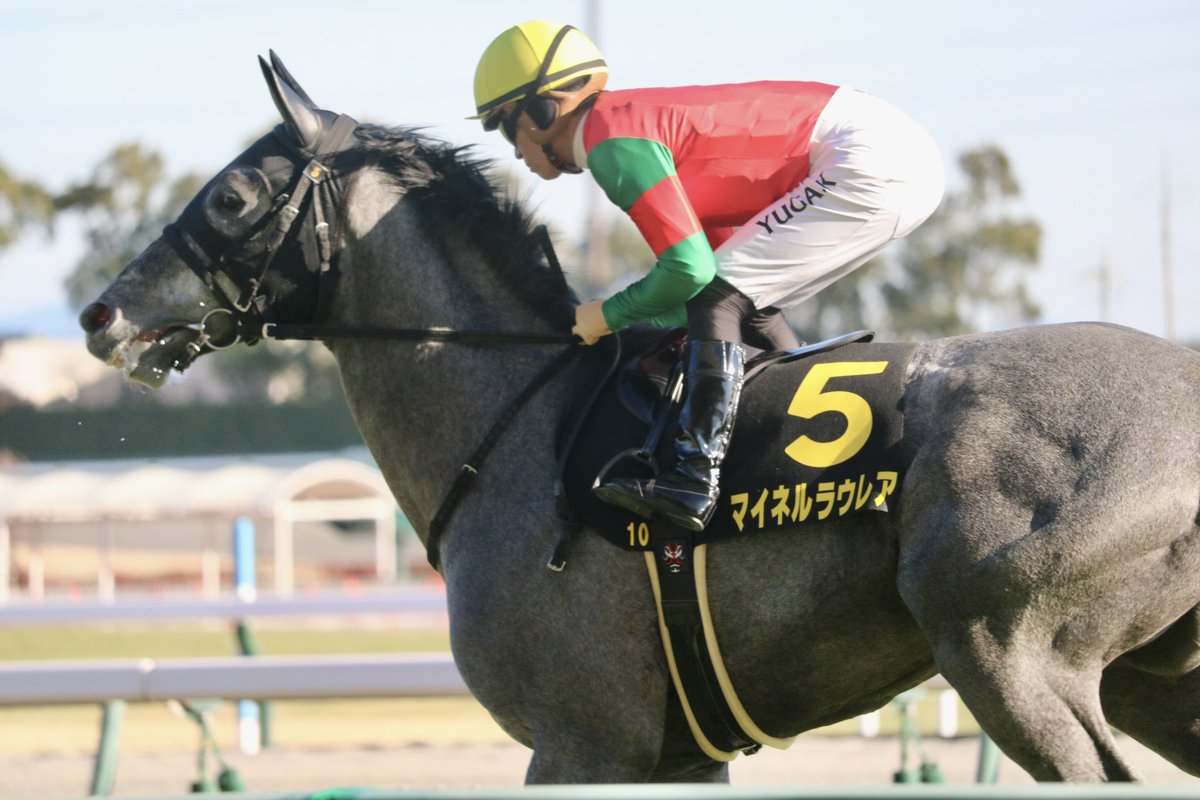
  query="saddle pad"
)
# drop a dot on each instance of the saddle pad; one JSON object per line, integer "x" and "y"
{"x": 815, "y": 440}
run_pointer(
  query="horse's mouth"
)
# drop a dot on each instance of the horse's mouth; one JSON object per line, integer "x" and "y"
{"x": 149, "y": 358}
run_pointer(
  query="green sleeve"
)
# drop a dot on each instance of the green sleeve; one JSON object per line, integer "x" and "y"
{"x": 638, "y": 175}
{"x": 681, "y": 272}
{"x": 675, "y": 318}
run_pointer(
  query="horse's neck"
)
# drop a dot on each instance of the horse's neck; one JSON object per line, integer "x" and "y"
{"x": 423, "y": 408}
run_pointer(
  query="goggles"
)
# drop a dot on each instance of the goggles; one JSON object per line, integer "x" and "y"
{"x": 541, "y": 110}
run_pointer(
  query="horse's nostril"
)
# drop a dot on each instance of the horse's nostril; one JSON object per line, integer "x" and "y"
{"x": 95, "y": 317}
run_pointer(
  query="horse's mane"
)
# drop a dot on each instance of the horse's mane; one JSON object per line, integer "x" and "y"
{"x": 454, "y": 196}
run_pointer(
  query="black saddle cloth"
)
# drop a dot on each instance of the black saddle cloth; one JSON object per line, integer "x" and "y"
{"x": 817, "y": 438}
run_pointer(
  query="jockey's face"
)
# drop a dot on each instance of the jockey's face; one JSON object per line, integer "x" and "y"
{"x": 517, "y": 122}
{"x": 531, "y": 153}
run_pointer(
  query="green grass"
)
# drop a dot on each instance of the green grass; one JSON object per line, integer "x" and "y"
{"x": 889, "y": 721}
{"x": 36, "y": 643}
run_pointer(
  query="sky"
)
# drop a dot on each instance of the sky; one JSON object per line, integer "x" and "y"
{"x": 1096, "y": 102}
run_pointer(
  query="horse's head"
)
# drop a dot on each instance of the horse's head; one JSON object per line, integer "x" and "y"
{"x": 236, "y": 258}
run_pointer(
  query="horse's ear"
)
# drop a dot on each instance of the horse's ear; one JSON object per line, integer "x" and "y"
{"x": 300, "y": 115}
{"x": 282, "y": 71}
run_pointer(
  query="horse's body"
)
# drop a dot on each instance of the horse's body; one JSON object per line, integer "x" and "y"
{"x": 1047, "y": 524}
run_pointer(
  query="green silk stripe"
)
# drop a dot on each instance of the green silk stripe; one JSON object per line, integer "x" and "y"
{"x": 625, "y": 167}
{"x": 682, "y": 271}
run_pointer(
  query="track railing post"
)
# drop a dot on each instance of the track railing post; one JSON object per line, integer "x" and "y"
{"x": 250, "y": 731}
{"x": 926, "y": 771}
{"x": 104, "y": 772}
{"x": 988, "y": 768}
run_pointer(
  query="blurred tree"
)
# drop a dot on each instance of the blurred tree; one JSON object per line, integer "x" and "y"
{"x": 967, "y": 265}
{"x": 124, "y": 207}
{"x": 964, "y": 268}
{"x": 23, "y": 203}
{"x": 850, "y": 303}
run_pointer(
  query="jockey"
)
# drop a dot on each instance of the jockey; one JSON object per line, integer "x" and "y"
{"x": 753, "y": 197}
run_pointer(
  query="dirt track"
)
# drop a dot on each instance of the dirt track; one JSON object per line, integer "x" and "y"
{"x": 812, "y": 760}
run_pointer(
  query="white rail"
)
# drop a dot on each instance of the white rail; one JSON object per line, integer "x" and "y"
{"x": 268, "y": 677}
{"x": 257, "y": 678}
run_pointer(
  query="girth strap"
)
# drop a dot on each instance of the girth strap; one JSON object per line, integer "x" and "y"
{"x": 719, "y": 723}
{"x": 672, "y": 569}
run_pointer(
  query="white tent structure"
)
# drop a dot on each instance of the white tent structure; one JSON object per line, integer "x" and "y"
{"x": 277, "y": 493}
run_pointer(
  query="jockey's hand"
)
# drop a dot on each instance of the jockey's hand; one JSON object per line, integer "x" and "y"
{"x": 589, "y": 322}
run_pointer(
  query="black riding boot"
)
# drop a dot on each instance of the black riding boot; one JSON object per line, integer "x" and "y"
{"x": 688, "y": 493}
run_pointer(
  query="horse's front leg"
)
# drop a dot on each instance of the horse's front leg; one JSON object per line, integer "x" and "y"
{"x": 645, "y": 751}
{"x": 567, "y": 663}
{"x": 586, "y": 742}
{"x": 557, "y": 760}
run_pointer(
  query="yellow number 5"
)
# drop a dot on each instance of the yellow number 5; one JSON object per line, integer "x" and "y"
{"x": 811, "y": 399}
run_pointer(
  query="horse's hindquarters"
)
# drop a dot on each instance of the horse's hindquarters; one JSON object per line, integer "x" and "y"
{"x": 1049, "y": 525}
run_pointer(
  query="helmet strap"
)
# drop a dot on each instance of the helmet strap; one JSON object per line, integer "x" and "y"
{"x": 558, "y": 163}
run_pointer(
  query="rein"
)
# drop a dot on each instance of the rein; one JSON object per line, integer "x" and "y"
{"x": 280, "y": 331}
{"x": 470, "y": 469}
{"x": 239, "y": 318}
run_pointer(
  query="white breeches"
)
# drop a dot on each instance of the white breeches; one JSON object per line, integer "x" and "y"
{"x": 874, "y": 176}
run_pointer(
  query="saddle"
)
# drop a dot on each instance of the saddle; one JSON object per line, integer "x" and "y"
{"x": 617, "y": 424}
{"x": 817, "y": 437}
{"x": 649, "y": 386}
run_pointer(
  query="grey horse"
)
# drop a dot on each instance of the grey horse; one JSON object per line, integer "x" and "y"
{"x": 1043, "y": 556}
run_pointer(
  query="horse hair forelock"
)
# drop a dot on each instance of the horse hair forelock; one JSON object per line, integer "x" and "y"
{"x": 451, "y": 191}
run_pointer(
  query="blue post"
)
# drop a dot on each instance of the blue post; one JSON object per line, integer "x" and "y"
{"x": 249, "y": 722}
{"x": 243, "y": 560}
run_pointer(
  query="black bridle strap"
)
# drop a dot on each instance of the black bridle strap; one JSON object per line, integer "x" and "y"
{"x": 466, "y": 474}
{"x": 197, "y": 260}
{"x": 314, "y": 183}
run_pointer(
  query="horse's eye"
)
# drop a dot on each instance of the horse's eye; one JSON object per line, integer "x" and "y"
{"x": 231, "y": 201}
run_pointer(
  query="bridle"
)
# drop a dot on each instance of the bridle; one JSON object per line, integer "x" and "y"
{"x": 304, "y": 209}
{"x": 241, "y": 317}
{"x": 314, "y": 195}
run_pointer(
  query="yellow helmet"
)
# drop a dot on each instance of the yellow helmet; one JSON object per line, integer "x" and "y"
{"x": 536, "y": 58}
